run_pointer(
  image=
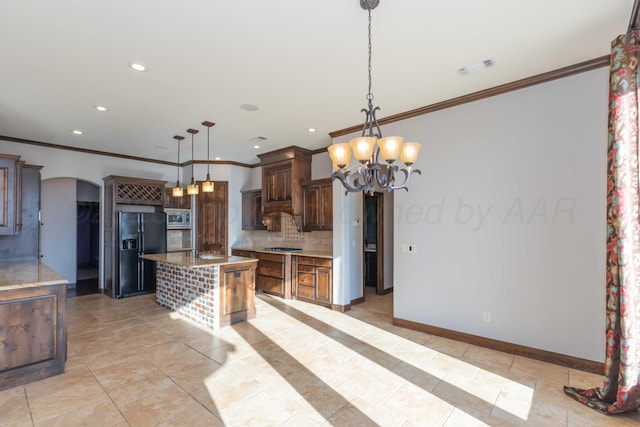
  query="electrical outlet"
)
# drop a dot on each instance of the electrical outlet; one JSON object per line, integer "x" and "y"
{"x": 412, "y": 248}
{"x": 487, "y": 316}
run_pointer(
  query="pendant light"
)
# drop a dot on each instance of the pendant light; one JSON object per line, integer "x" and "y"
{"x": 178, "y": 191}
{"x": 192, "y": 189}
{"x": 375, "y": 169}
{"x": 207, "y": 185}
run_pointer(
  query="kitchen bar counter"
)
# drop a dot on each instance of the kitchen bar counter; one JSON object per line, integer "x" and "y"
{"x": 304, "y": 252}
{"x": 33, "y": 338}
{"x": 188, "y": 260}
{"x": 210, "y": 292}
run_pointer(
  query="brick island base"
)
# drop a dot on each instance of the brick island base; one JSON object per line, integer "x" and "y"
{"x": 211, "y": 295}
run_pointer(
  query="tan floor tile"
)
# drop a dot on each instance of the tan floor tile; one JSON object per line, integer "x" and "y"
{"x": 583, "y": 379}
{"x": 419, "y": 406}
{"x": 158, "y": 407}
{"x": 138, "y": 387}
{"x": 487, "y": 358}
{"x": 102, "y": 413}
{"x": 546, "y": 371}
{"x": 224, "y": 388}
{"x": 57, "y": 395}
{"x": 360, "y": 413}
{"x": 192, "y": 377}
{"x": 13, "y": 405}
{"x": 193, "y": 416}
{"x": 126, "y": 368}
{"x": 260, "y": 409}
{"x": 316, "y": 400}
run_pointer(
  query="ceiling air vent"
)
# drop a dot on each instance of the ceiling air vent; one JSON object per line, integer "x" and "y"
{"x": 478, "y": 66}
{"x": 258, "y": 139}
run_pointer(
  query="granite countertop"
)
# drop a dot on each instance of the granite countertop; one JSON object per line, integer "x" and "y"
{"x": 189, "y": 261}
{"x": 304, "y": 252}
{"x": 25, "y": 274}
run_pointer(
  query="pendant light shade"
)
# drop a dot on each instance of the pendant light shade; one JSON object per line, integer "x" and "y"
{"x": 178, "y": 191}
{"x": 207, "y": 185}
{"x": 192, "y": 189}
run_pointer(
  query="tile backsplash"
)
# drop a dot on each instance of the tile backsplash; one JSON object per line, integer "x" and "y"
{"x": 290, "y": 237}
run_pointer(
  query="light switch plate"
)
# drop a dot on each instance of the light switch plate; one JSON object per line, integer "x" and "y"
{"x": 413, "y": 248}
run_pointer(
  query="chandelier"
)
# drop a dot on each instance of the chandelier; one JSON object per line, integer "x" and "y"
{"x": 370, "y": 174}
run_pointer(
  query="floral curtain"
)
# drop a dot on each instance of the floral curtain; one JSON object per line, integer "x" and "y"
{"x": 621, "y": 390}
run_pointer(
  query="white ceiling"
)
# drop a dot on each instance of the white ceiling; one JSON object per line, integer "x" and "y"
{"x": 302, "y": 62}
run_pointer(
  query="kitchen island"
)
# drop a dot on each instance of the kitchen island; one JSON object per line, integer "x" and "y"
{"x": 33, "y": 336}
{"x": 211, "y": 290}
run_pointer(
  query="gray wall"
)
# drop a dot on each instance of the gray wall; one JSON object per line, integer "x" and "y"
{"x": 59, "y": 226}
{"x": 509, "y": 218}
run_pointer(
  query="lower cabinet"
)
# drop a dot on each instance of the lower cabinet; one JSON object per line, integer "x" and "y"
{"x": 293, "y": 276}
{"x": 33, "y": 334}
{"x": 313, "y": 279}
{"x": 237, "y": 302}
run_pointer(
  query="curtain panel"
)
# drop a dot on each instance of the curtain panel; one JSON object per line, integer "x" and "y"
{"x": 621, "y": 390}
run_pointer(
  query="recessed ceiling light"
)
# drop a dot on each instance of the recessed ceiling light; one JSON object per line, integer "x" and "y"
{"x": 249, "y": 107}
{"x": 77, "y": 132}
{"x": 311, "y": 129}
{"x": 138, "y": 67}
{"x": 100, "y": 107}
{"x": 217, "y": 158}
{"x": 256, "y": 146}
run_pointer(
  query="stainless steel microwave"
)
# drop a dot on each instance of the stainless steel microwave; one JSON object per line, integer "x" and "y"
{"x": 178, "y": 218}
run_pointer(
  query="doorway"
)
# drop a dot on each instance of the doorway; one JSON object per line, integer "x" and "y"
{"x": 373, "y": 243}
{"x": 87, "y": 238}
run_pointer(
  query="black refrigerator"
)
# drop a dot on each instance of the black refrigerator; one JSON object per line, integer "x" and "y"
{"x": 139, "y": 233}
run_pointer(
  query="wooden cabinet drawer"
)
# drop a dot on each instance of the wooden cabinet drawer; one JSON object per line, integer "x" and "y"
{"x": 306, "y": 268}
{"x": 305, "y": 260}
{"x": 305, "y": 292}
{"x": 306, "y": 279}
{"x": 272, "y": 269}
{"x": 323, "y": 262}
{"x": 239, "y": 252}
{"x": 271, "y": 257}
{"x": 269, "y": 284}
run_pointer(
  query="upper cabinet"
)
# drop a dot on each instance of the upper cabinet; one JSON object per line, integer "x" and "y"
{"x": 317, "y": 199}
{"x": 171, "y": 202}
{"x": 252, "y": 210}
{"x": 283, "y": 172}
{"x": 10, "y": 194}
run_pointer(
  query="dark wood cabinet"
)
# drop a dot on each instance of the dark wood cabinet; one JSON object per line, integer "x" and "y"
{"x": 283, "y": 172}
{"x": 212, "y": 220}
{"x": 317, "y": 201}
{"x": 274, "y": 274}
{"x": 237, "y": 299}
{"x": 171, "y": 202}
{"x": 313, "y": 281}
{"x": 33, "y": 329}
{"x": 252, "y": 210}
{"x": 10, "y": 194}
{"x": 25, "y": 245}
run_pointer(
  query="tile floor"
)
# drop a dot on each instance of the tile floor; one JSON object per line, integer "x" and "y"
{"x": 133, "y": 363}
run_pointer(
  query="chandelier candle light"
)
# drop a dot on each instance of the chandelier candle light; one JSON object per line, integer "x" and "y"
{"x": 178, "y": 191}
{"x": 192, "y": 189}
{"x": 370, "y": 175}
{"x": 207, "y": 185}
